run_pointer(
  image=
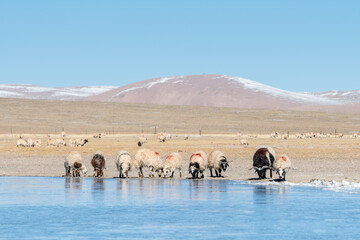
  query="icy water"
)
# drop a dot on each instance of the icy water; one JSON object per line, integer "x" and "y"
{"x": 87, "y": 208}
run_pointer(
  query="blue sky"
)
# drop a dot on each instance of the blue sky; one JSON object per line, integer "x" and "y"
{"x": 294, "y": 45}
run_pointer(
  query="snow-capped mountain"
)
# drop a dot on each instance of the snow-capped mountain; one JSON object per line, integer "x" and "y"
{"x": 220, "y": 91}
{"x": 342, "y": 96}
{"x": 38, "y": 92}
{"x": 197, "y": 90}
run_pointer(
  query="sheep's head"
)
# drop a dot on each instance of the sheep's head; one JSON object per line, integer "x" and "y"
{"x": 167, "y": 172}
{"x": 194, "y": 169}
{"x": 83, "y": 170}
{"x": 280, "y": 171}
{"x": 224, "y": 164}
{"x": 160, "y": 171}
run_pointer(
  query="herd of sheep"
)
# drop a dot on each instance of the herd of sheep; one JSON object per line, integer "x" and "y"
{"x": 264, "y": 159}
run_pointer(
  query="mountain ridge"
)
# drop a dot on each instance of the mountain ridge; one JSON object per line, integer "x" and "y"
{"x": 199, "y": 90}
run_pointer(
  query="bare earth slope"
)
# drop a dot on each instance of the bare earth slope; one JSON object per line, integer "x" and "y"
{"x": 226, "y": 91}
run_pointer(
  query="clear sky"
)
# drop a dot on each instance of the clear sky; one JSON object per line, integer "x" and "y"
{"x": 307, "y": 45}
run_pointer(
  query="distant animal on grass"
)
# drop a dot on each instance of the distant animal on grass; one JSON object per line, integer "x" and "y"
{"x": 21, "y": 143}
{"x": 244, "y": 142}
{"x": 141, "y": 141}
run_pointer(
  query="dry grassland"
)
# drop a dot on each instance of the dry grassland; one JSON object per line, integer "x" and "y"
{"x": 327, "y": 158}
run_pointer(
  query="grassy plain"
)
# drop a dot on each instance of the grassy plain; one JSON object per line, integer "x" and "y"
{"x": 325, "y": 158}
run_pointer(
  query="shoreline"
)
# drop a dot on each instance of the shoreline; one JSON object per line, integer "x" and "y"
{"x": 329, "y": 159}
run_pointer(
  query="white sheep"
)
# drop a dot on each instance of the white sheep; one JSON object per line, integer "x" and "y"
{"x": 37, "y": 143}
{"x": 284, "y": 136}
{"x": 60, "y": 142}
{"x": 142, "y": 140}
{"x": 72, "y": 142}
{"x": 80, "y": 142}
{"x": 30, "y": 142}
{"x": 52, "y": 143}
{"x": 198, "y": 164}
{"x": 218, "y": 162}
{"x": 148, "y": 158}
{"x": 123, "y": 163}
{"x": 73, "y": 164}
{"x": 21, "y": 143}
{"x": 172, "y": 162}
{"x": 63, "y": 134}
{"x": 244, "y": 142}
{"x": 282, "y": 165}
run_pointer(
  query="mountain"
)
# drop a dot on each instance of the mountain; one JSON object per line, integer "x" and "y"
{"x": 199, "y": 90}
{"x": 38, "y": 92}
{"x": 226, "y": 91}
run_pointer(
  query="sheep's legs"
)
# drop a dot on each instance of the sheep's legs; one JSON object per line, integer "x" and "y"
{"x": 180, "y": 173}
{"x": 219, "y": 172}
{"x": 216, "y": 172}
{"x": 172, "y": 174}
{"x": 140, "y": 173}
{"x": 211, "y": 172}
{"x": 151, "y": 174}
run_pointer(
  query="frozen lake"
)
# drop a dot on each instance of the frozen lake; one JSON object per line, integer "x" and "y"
{"x": 88, "y": 208}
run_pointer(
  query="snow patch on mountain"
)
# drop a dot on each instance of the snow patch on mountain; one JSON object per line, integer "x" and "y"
{"x": 293, "y": 96}
{"x": 38, "y": 92}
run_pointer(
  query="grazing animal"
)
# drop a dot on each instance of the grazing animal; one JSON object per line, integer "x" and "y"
{"x": 282, "y": 165}
{"x": 61, "y": 142}
{"x": 73, "y": 165}
{"x": 72, "y": 142}
{"x": 63, "y": 134}
{"x": 274, "y": 135}
{"x": 263, "y": 159}
{"x": 98, "y": 163}
{"x": 198, "y": 164}
{"x": 163, "y": 136}
{"x": 355, "y": 135}
{"x": 244, "y": 142}
{"x": 123, "y": 163}
{"x": 52, "y": 143}
{"x": 218, "y": 162}
{"x": 97, "y": 135}
{"x": 37, "y": 143}
{"x": 148, "y": 158}
{"x": 172, "y": 162}
{"x": 80, "y": 142}
{"x": 30, "y": 142}
{"x": 142, "y": 141}
{"x": 21, "y": 143}
{"x": 284, "y": 136}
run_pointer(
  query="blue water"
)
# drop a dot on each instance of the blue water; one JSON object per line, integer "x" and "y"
{"x": 87, "y": 208}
